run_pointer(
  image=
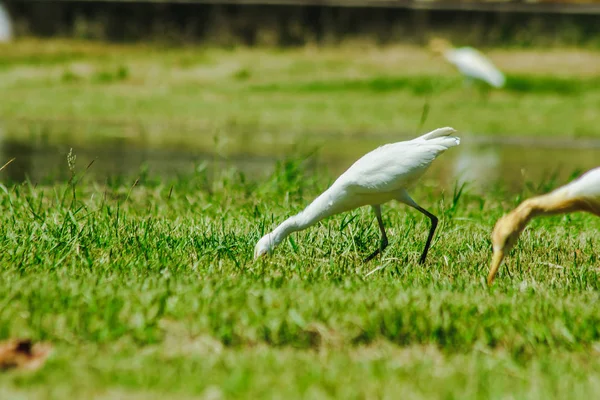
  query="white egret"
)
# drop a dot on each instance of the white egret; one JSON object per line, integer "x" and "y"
{"x": 469, "y": 61}
{"x": 5, "y": 25}
{"x": 582, "y": 194}
{"x": 382, "y": 175}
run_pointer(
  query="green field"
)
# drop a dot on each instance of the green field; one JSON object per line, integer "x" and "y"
{"x": 147, "y": 288}
{"x": 258, "y": 100}
{"x": 151, "y": 289}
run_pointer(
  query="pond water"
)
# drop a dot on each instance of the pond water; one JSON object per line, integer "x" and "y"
{"x": 481, "y": 161}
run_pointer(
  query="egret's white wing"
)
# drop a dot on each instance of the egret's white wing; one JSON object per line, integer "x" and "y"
{"x": 472, "y": 63}
{"x": 391, "y": 167}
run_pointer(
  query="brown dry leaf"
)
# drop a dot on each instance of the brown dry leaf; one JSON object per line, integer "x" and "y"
{"x": 23, "y": 354}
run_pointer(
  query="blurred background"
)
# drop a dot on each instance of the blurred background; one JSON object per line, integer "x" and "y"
{"x": 164, "y": 88}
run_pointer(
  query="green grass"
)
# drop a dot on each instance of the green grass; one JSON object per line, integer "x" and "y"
{"x": 422, "y": 85}
{"x": 258, "y": 99}
{"x": 147, "y": 288}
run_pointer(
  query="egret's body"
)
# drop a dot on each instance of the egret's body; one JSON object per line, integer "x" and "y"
{"x": 382, "y": 175}
{"x": 582, "y": 194}
{"x": 470, "y": 62}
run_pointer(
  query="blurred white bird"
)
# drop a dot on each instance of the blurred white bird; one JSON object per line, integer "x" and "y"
{"x": 5, "y": 25}
{"x": 382, "y": 175}
{"x": 582, "y": 194}
{"x": 469, "y": 61}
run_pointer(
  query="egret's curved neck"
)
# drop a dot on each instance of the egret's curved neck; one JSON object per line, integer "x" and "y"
{"x": 320, "y": 208}
{"x": 286, "y": 228}
{"x": 559, "y": 202}
{"x": 556, "y": 202}
{"x": 524, "y": 213}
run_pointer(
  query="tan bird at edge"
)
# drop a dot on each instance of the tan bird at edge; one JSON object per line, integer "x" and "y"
{"x": 582, "y": 194}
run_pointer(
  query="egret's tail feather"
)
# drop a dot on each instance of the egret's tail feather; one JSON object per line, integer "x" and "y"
{"x": 445, "y": 142}
{"x": 446, "y": 131}
{"x": 441, "y": 137}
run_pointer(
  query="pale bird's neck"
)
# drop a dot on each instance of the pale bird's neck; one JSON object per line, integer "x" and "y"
{"x": 530, "y": 208}
{"x": 561, "y": 202}
{"x": 523, "y": 214}
{"x": 553, "y": 203}
{"x": 317, "y": 210}
{"x": 284, "y": 229}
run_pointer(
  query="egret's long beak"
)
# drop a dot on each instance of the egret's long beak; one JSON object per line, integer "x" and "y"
{"x": 496, "y": 261}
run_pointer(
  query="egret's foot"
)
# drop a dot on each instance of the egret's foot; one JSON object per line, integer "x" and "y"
{"x": 384, "y": 243}
{"x": 372, "y": 256}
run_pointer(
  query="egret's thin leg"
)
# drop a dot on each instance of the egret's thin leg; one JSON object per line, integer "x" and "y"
{"x": 405, "y": 198}
{"x": 384, "y": 239}
{"x": 434, "y": 222}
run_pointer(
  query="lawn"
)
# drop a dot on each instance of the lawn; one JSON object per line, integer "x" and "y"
{"x": 146, "y": 287}
{"x": 258, "y": 100}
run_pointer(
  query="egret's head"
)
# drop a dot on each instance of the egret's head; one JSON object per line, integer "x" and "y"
{"x": 504, "y": 236}
{"x": 264, "y": 246}
{"x": 439, "y": 46}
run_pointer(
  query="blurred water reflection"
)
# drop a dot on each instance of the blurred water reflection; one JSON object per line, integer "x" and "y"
{"x": 477, "y": 165}
{"x": 475, "y": 162}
